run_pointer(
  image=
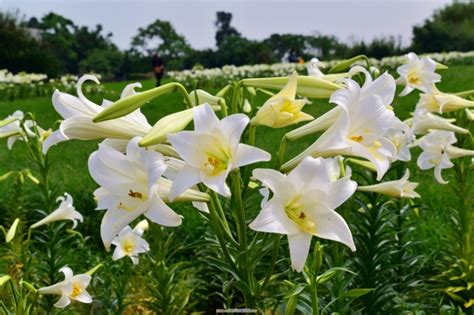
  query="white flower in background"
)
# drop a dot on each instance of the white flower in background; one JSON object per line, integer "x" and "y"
{"x": 313, "y": 68}
{"x": 364, "y": 117}
{"x": 401, "y": 135}
{"x": 71, "y": 288}
{"x": 401, "y": 188}
{"x": 211, "y": 151}
{"x": 130, "y": 187}
{"x": 302, "y": 206}
{"x": 78, "y": 113}
{"x": 282, "y": 109}
{"x": 65, "y": 211}
{"x": 130, "y": 243}
{"x": 439, "y": 102}
{"x": 11, "y": 129}
{"x": 423, "y": 122}
{"x": 418, "y": 73}
{"x": 438, "y": 151}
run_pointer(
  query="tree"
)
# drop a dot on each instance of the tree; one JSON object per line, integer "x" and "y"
{"x": 160, "y": 37}
{"x": 451, "y": 28}
{"x": 224, "y": 30}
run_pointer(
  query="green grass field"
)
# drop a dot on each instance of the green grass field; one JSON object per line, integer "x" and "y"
{"x": 70, "y": 172}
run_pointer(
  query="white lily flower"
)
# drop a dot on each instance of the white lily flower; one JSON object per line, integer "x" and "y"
{"x": 422, "y": 122}
{"x": 302, "y": 206}
{"x": 131, "y": 186}
{"x": 11, "y": 129}
{"x": 401, "y": 188}
{"x": 418, "y": 73}
{"x": 439, "y": 102}
{"x": 78, "y": 113}
{"x": 129, "y": 243}
{"x": 211, "y": 151}
{"x": 71, "y": 288}
{"x": 363, "y": 120}
{"x": 438, "y": 150}
{"x": 65, "y": 211}
{"x": 283, "y": 109}
{"x": 401, "y": 135}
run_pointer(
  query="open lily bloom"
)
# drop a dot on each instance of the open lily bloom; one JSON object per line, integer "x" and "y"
{"x": 282, "y": 109}
{"x": 65, "y": 211}
{"x": 360, "y": 127}
{"x": 129, "y": 243}
{"x": 401, "y": 135}
{"x": 418, "y": 73}
{"x": 71, "y": 288}
{"x": 439, "y": 102}
{"x": 401, "y": 188}
{"x": 302, "y": 206}
{"x": 438, "y": 150}
{"x": 78, "y": 113}
{"x": 11, "y": 129}
{"x": 211, "y": 151}
{"x": 131, "y": 186}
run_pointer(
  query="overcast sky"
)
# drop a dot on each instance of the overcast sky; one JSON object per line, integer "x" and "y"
{"x": 255, "y": 19}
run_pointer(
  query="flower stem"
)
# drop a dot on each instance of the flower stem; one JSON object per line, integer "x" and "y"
{"x": 275, "y": 250}
{"x": 281, "y": 152}
{"x": 252, "y": 130}
{"x": 235, "y": 97}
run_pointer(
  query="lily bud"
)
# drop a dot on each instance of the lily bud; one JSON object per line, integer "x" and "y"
{"x": 346, "y": 64}
{"x": 12, "y": 231}
{"x": 189, "y": 195}
{"x": 204, "y": 97}
{"x": 307, "y": 86}
{"x": 455, "y": 152}
{"x": 422, "y": 122}
{"x": 247, "y": 108}
{"x": 366, "y": 164}
{"x": 168, "y": 124}
{"x": 4, "y": 279}
{"x": 401, "y": 188}
{"x": 470, "y": 114}
{"x": 442, "y": 102}
{"x": 321, "y": 123}
{"x": 130, "y": 103}
{"x": 440, "y": 66}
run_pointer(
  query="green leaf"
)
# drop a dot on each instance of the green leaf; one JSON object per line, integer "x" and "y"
{"x": 355, "y": 293}
{"x": 297, "y": 288}
{"x": 331, "y": 273}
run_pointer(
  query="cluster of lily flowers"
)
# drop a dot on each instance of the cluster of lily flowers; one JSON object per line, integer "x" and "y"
{"x": 231, "y": 73}
{"x": 140, "y": 168}
{"x": 37, "y": 84}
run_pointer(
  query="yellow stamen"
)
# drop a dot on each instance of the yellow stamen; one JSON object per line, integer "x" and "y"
{"x": 76, "y": 290}
{"x": 214, "y": 165}
{"x": 294, "y": 211}
{"x": 128, "y": 246}
{"x": 135, "y": 194}
{"x": 414, "y": 79}
{"x": 357, "y": 138}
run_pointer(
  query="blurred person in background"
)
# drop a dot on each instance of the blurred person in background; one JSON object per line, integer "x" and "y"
{"x": 158, "y": 68}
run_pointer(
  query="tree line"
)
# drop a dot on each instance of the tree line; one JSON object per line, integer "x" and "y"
{"x": 56, "y": 45}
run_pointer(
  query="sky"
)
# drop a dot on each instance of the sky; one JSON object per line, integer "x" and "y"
{"x": 348, "y": 20}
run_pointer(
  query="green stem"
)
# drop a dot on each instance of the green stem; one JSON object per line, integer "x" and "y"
{"x": 183, "y": 91}
{"x": 281, "y": 152}
{"x": 223, "y": 106}
{"x": 275, "y": 250}
{"x": 235, "y": 97}
{"x": 242, "y": 235}
{"x": 314, "y": 299}
{"x": 252, "y": 130}
{"x": 221, "y": 216}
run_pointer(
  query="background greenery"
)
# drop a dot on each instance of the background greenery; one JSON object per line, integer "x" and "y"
{"x": 65, "y": 47}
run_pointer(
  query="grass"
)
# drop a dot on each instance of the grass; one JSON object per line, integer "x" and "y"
{"x": 70, "y": 172}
